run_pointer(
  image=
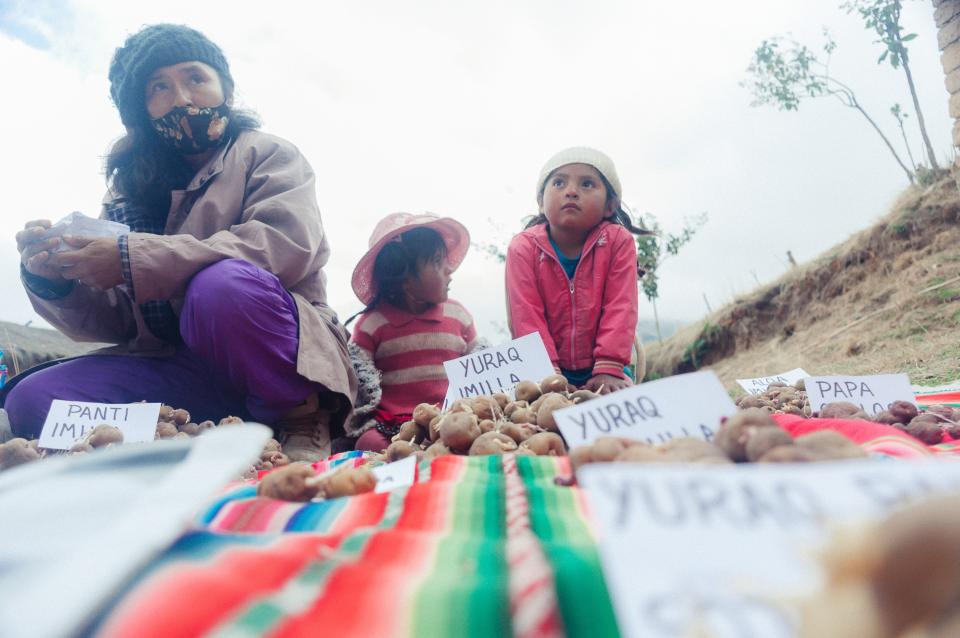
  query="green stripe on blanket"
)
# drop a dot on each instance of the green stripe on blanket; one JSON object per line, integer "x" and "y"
{"x": 557, "y": 518}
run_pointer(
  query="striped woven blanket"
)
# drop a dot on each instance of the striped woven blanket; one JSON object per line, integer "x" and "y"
{"x": 478, "y": 546}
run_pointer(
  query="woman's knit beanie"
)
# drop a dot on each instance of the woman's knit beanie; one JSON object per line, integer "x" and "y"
{"x": 147, "y": 50}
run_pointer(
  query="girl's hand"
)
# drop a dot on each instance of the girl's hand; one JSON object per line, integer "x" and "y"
{"x": 607, "y": 383}
{"x": 35, "y": 251}
{"x": 95, "y": 263}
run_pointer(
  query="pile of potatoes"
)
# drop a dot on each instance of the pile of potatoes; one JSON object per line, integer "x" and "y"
{"x": 172, "y": 423}
{"x": 300, "y": 482}
{"x": 750, "y": 435}
{"x": 491, "y": 424}
{"x": 899, "y": 577}
{"x": 929, "y": 425}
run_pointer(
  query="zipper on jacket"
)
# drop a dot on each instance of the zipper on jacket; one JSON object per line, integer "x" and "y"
{"x": 573, "y": 299}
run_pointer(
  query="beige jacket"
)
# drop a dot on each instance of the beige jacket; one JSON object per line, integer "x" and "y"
{"x": 255, "y": 200}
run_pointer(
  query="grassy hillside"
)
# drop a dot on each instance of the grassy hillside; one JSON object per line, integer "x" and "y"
{"x": 885, "y": 300}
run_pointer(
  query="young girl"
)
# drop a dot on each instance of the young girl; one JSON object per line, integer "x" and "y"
{"x": 409, "y": 327}
{"x": 217, "y": 300}
{"x": 572, "y": 273}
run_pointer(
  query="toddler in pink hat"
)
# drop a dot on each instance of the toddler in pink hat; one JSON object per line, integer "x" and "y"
{"x": 409, "y": 326}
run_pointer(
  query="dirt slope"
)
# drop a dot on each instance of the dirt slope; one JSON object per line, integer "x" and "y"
{"x": 885, "y": 300}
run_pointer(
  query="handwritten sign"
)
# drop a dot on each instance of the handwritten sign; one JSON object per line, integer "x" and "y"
{"x": 759, "y": 385}
{"x": 397, "y": 474}
{"x": 722, "y": 551}
{"x": 873, "y": 393}
{"x": 69, "y": 421}
{"x": 683, "y": 405}
{"x": 498, "y": 369}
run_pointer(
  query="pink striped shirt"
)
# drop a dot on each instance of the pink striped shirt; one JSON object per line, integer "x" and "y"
{"x": 409, "y": 350}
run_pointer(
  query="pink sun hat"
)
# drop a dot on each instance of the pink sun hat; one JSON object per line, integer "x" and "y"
{"x": 454, "y": 234}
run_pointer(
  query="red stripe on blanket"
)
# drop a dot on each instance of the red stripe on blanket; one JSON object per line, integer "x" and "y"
{"x": 215, "y": 589}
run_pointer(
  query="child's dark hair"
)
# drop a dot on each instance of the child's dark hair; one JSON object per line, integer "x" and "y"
{"x": 620, "y": 216}
{"x": 399, "y": 259}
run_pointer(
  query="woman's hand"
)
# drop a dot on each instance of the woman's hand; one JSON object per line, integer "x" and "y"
{"x": 94, "y": 263}
{"x": 607, "y": 383}
{"x": 35, "y": 251}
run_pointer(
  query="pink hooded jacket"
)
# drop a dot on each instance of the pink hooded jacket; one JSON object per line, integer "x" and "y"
{"x": 586, "y": 322}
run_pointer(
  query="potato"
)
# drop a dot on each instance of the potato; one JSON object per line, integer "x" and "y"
{"x": 16, "y": 452}
{"x": 527, "y": 391}
{"x": 437, "y": 449}
{"x": 501, "y": 399}
{"x": 203, "y": 426}
{"x": 492, "y": 443}
{"x": 487, "y": 425}
{"x": 230, "y": 420}
{"x": 550, "y": 404}
{"x": 553, "y": 383}
{"x": 434, "y": 429}
{"x": 165, "y": 430}
{"x": 166, "y": 414}
{"x": 519, "y": 433}
{"x": 606, "y": 448}
{"x": 408, "y": 432}
{"x": 458, "y": 430}
{"x": 787, "y": 454}
{"x": 641, "y": 454}
{"x": 751, "y": 401}
{"x": 349, "y": 481}
{"x": 545, "y": 444}
{"x": 523, "y": 415}
{"x": 763, "y": 439}
{"x": 579, "y": 396}
{"x": 272, "y": 445}
{"x": 829, "y": 445}
{"x": 925, "y": 429}
{"x": 514, "y": 405}
{"x": 580, "y": 456}
{"x": 295, "y": 482}
{"x": 180, "y": 417}
{"x": 461, "y": 405}
{"x": 485, "y": 408}
{"x": 732, "y": 435}
{"x": 78, "y": 448}
{"x": 424, "y": 413}
{"x": 903, "y": 411}
{"x": 688, "y": 449}
{"x": 103, "y": 435}
{"x": 400, "y": 449}
{"x": 841, "y": 410}
{"x": 190, "y": 429}
{"x": 917, "y": 565}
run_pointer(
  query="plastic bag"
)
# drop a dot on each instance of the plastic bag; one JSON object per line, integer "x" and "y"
{"x": 78, "y": 224}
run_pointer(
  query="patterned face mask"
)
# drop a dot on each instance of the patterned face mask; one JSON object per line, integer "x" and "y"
{"x": 190, "y": 129}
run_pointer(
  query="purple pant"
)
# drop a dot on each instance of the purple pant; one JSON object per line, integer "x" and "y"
{"x": 240, "y": 329}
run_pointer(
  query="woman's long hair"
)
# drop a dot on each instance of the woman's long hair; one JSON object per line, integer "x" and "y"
{"x": 141, "y": 168}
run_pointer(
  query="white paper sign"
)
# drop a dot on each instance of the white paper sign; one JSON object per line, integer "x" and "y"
{"x": 682, "y": 405}
{"x": 759, "y": 385}
{"x": 69, "y": 421}
{"x": 497, "y": 369}
{"x": 397, "y": 474}
{"x": 873, "y": 393}
{"x": 720, "y": 551}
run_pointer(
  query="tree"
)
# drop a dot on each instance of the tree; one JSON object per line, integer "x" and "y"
{"x": 883, "y": 16}
{"x": 784, "y": 72}
{"x": 653, "y": 249}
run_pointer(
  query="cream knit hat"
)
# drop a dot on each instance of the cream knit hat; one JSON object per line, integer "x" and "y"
{"x": 581, "y": 155}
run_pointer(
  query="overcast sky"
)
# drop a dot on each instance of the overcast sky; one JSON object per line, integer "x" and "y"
{"x": 452, "y": 107}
